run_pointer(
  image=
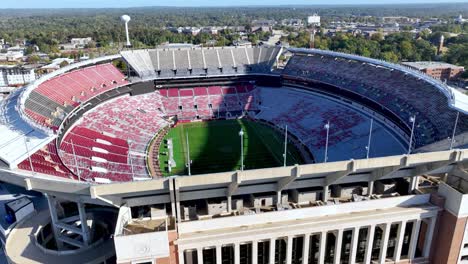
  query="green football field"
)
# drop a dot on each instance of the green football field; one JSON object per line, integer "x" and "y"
{"x": 215, "y": 146}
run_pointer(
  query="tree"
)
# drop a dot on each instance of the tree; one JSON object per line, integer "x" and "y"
{"x": 390, "y": 56}
{"x": 458, "y": 54}
{"x": 63, "y": 64}
{"x": 34, "y": 59}
{"x": 407, "y": 50}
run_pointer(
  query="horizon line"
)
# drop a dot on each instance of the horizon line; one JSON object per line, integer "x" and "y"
{"x": 245, "y": 6}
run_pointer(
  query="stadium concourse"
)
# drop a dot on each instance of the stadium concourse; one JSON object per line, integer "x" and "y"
{"x": 89, "y": 136}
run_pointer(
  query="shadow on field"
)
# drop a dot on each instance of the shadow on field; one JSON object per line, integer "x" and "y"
{"x": 216, "y": 148}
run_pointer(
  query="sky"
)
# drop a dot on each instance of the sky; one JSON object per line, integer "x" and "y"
{"x": 192, "y": 3}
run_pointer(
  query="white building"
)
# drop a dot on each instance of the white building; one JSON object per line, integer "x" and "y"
{"x": 55, "y": 64}
{"x": 80, "y": 42}
{"x": 12, "y": 54}
{"x": 313, "y": 20}
{"x": 460, "y": 19}
{"x": 294, "y": 22}
{"x": 15, "y": 75}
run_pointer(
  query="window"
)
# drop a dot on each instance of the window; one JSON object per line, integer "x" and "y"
{"x": 143, "y": 262}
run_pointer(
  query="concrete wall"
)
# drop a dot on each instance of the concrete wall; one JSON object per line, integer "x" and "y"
{"x": 279, "y": 216}
{"x": 455, "y": 202}
{"x": 142, "y": 246}
{"x": 304, "y": 197}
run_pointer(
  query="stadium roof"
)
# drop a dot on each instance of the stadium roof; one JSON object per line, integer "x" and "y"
{"x": 18, "y": 137}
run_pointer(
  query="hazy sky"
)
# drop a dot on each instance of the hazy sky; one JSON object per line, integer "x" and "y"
{"x": 136, "y": 3}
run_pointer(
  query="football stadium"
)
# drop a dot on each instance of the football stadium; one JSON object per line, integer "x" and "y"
{"x": 231, "y": 155}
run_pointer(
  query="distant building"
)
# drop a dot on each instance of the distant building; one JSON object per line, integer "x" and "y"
{"x": 168, "y": 45}
{"x": 76, "y": 43}
{"x": 460, "y": 19}
{"x": 211, "y": 30}
{"x": 191, "y": 30}
{"x": 292, "y": 22}
{"x": 439, "y": 70}
{"x": 55, "y": 65}
{"x": 242, "y": 43}
{"x": 313, "y": 20}
{"x": 15, "y": 53}
{"x": 237, "y": 28}
{"x": 81, "y": 42}
{"x": 263, "y": 25}
{"x": 11, "y": 75}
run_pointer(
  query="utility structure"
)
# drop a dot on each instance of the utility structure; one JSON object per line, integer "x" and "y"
{"x": 126, "y": 19}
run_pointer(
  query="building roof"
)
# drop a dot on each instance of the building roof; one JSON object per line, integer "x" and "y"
{"x": 17, "y": 133}
{"x": 421, "y": 65}
{"x": 19, "y": 203}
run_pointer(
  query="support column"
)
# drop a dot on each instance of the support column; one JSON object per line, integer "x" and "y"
{"x": 219, "y": 259}
{"x": 278, "y": 198}
{"x": 177, "y": 201}
{"x": 200, "y": 255}
{"x": 414, "y": 239}
{"x": 338, "y": 244}
{"x": 370, "y": 242}
{"x": 172, "y": 196}
{"x": 236, "y": 253}
{"x": 325, "y": 193}
{"x": 414, "y": 183}
{"x": 305, "y": 250}
{"x": 54, "y": 219}
{"x": 271, "y": 259}
{"x": 84, "y": 223}
{"x": 289, "y": 250}
{"x": 354, "y": 245}
{"x": 323, "y": 242}
{"x": 399, "y": 242}
{"x": 429, "y": 235}
{"x": 384, "y": 243}
{"x": 229, "y": 203}
{"x": 180, "y": 253}
{"x": 254, "y": 252}
{"x": 370, "y": 188}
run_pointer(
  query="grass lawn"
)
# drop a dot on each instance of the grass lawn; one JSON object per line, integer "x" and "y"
{"x": 215, "y": 147}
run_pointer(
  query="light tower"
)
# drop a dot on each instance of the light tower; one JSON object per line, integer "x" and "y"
{"x": 126, "y": 19}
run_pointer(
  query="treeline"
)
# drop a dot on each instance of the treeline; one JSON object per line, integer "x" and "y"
{"x": 48, "y": 28}
{"x": 59, "y": 25}
{"x": 394, "y": 47}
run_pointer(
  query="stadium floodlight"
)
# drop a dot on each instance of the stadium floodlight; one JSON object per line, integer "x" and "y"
{"x": 454, "y": 130}
{"x": 370, "y": 136}
{"x": 327, "y": 127}
{"x": 188, "y": 156}
{"x": 413, "y": 121}
{"x": 126, "y": 19}
{"x": 241, "y": 134}
{"x": 78, "y": 173}
{"x": 285, "y": 144}
{"x": 129, "y": 142}
{"x": 26, "y": 141}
